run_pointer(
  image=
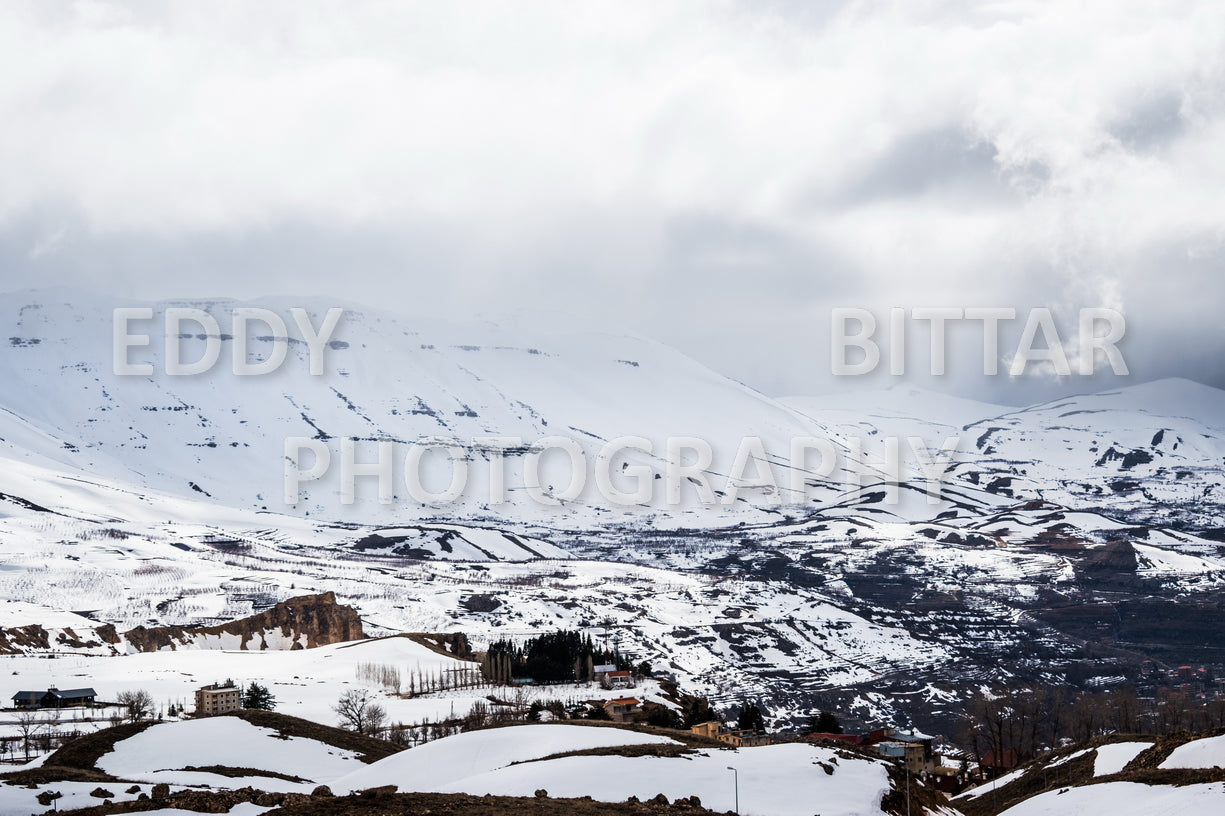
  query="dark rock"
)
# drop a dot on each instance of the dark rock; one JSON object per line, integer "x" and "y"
{"x": 322, "y": 790}
{"x": 101, "y": 793}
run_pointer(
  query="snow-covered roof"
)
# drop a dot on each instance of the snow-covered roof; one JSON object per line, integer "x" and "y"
{"x": 73, "y": 694}
{"x": 914, "y": 736}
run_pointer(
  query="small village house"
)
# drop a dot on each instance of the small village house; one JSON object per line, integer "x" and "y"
{"x": 622, "y": 709}
{"x": 910, "y": 753}
{"x": 599, "y": 672}
{"x": 55, "y": 698}
{"x": 737, "y": 739}
{"x": 617, "y": 680}
{"x": 918, "y": 754}
{"x": 850, "y": 739}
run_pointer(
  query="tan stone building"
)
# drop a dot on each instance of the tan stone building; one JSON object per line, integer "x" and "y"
{"x": 737, "y": 739}
{"x": 218, "y": 699}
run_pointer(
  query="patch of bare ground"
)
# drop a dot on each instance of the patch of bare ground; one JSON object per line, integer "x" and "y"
{"x": 239, "y": 773}
{"x": 367, "y": 749}
{"x": 385, "y": 802}
{"x": 77, "y": 761}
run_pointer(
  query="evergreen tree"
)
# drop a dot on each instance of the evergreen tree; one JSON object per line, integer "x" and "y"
{"x": 696, "y": 710}
{"x": 749, "y": 718}
{"x": 553, "y": 657}
{"x": 663, "y": 717}
{"x": 826, "y": 723}
{"x": 258, "y": 697}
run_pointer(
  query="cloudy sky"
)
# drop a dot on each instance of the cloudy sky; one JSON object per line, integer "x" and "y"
{"x": 718, "y": 176}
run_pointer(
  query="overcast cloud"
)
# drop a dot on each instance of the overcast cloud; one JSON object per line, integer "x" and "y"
{"x": 715, "y": 175}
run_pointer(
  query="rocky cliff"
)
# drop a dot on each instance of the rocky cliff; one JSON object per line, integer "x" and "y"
{"x": 298, "y": 623}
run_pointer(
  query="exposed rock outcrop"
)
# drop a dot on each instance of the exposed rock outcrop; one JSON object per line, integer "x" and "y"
{"x": 306, "y": 622}
{"x": 35, "y": 638}
{"x": 18, "y": 639}
{"x": 298, "y": 623}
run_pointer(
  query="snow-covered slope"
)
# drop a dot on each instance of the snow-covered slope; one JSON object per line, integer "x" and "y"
{"x": 610, "y": 764}
{"x": 306, "y": 682}
{"x": 1208, "y": 752}
{"x": 1176, "y": 774}
{"x": 1153, "y": 452}
{"x": 444, "y": 764}
{"x": 774, "y": 780}
{"x": 222, "y": 437}
{"x": 1125, "y": 799}
{"x": 163, "y": 752}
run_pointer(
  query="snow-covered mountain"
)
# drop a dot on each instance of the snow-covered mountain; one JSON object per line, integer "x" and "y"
{"x": 147, "y": 500}
{"x": 1152, "y": 453}
{"x": 221, "y": 437}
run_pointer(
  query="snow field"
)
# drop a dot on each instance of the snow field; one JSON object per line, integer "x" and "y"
{"x": 1201, "y": 753}
{"x": 1112, "y": 758}
{"x": 775, "y": 780}
{"x": 1125, "y": 799}
{"x": 435, "y": 765}
{"x": 158, "y": 754}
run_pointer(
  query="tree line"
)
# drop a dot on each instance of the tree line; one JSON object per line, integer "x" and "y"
{"x": 1028, "y": 722}
{"x": 554, "y": 657}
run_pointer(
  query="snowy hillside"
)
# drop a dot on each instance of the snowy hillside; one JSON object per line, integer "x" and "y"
{"x": 158, "y": 500}
{"x": 774, "y": 780}
{"x": 1177, "y": 774}
{"x": 1125, "y": 799}
{"x": 608, "y": 764}
{"x": 448, "y": 763}
{"x": 221, "y": 437}
{"x": 306, "y": 683}
{"x": 1152, "y": 453}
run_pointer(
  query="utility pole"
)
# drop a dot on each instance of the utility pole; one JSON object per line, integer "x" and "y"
{"x": 736, "y": 782}
{"x": 907, "y": 761}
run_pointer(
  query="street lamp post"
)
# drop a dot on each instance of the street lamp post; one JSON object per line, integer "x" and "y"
{"x": 736, "y": 782}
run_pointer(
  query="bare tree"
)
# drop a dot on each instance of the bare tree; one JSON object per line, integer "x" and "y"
{"x": 358, "y": 712}
{"x": 29, "y": 725}
{"x": 376, "y": 718}
{"x": 137, "y": 704}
